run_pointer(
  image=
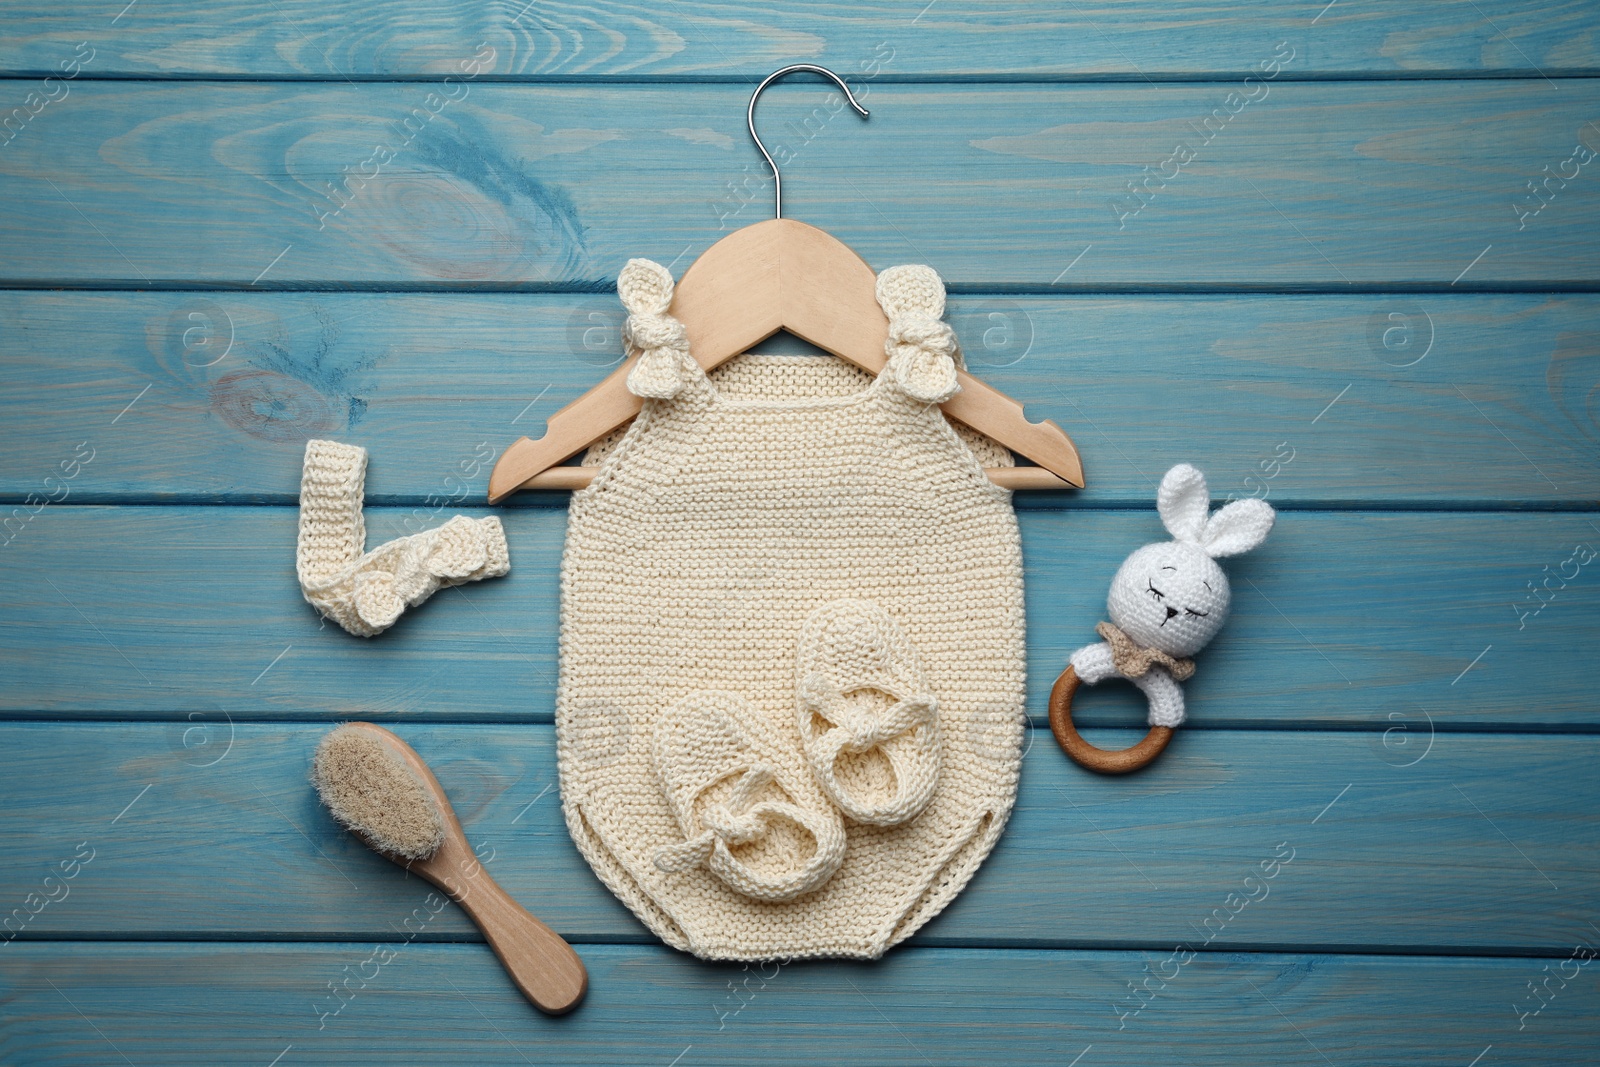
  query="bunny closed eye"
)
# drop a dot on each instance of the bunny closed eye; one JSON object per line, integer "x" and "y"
{"x": 1170, "y": 596}
{"x": 1171, "y": 611}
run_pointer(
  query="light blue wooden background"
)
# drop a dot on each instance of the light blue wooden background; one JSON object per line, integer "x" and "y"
{"x": 1353, "y": 273}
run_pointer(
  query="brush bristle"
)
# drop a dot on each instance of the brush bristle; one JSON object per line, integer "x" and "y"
{"x": 369, "y": 788}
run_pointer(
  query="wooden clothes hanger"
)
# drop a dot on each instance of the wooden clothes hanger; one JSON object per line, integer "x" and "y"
{"x": 781, "y": 275}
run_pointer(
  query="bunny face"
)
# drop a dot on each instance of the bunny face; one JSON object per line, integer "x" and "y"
{"x": 1170, "y": 596}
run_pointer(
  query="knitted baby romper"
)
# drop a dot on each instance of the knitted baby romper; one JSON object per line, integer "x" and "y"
{"x": 790, "y": 708}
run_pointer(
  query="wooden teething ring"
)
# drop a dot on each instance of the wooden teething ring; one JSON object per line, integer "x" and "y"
{"x": 1098, "y": 759}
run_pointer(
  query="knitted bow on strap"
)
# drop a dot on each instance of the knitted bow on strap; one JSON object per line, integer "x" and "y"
{"x": 658, "y": 339}
{"x": 922, "y": 349}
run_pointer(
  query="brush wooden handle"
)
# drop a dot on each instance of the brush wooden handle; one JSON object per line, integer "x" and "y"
{"x": 542, "y": 965}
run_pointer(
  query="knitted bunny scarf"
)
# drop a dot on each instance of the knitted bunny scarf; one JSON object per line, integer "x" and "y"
{"x": 1133, "y": 660}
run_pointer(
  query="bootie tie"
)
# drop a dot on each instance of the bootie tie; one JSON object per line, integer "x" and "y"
{"x": 868, "y": 724}
{"x": 766, "y": 833}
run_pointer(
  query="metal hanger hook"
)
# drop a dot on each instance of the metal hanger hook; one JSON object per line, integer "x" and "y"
{"x": 750, "y": 120}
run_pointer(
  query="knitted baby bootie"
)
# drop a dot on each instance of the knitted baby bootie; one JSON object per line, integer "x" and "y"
{"x": 765, "y": 832}
{"x": 868, "y": 724}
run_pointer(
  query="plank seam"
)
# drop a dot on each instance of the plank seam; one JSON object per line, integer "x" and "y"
{"x": 551, "y": 501}
{"x": 607, "y": 287}
{"x": 1023, "y": 78}
{"x": 463, "y": 940}
{"x": 1039, "y": 722}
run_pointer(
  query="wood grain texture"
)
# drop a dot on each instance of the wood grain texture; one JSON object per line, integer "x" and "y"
{"x": 1401, "y": 700}
{"x": 1313, "y": 185}
{"x": 245, "y": 1004}
{"x": 1406, "y": 843}
{"x": 968, "y": 38}
{"x": 1339, "y": 618}
{"x": 1375, "y": 400}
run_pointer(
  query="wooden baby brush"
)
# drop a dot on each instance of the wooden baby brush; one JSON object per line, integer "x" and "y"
{"x": 380, "y": 790}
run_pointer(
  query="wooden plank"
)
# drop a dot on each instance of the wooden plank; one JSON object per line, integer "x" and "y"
{"x": 1339, "y": 619}
{"x": 1134, "y": 40}
{"x": 1311, "y": 185}
{"x": 1373, "y": 400}
{"x": 1414, "y": 842}
{"x": 211, "y": 1004}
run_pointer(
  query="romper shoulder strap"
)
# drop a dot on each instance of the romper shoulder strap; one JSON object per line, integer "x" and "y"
{"x": 664, "y": 366}
{"x": 922, "y": 349}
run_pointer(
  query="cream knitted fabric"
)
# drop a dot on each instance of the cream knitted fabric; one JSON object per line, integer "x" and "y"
{"x": 784, "y": 566}
{"x": 365, "y": 593}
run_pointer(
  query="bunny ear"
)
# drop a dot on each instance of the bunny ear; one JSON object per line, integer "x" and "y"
{"x": 1183, "y": 502}
{"x": 1239, "y": 527}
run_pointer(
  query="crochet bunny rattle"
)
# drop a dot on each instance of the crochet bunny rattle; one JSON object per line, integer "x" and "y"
{"x": 1167, "y": 601}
